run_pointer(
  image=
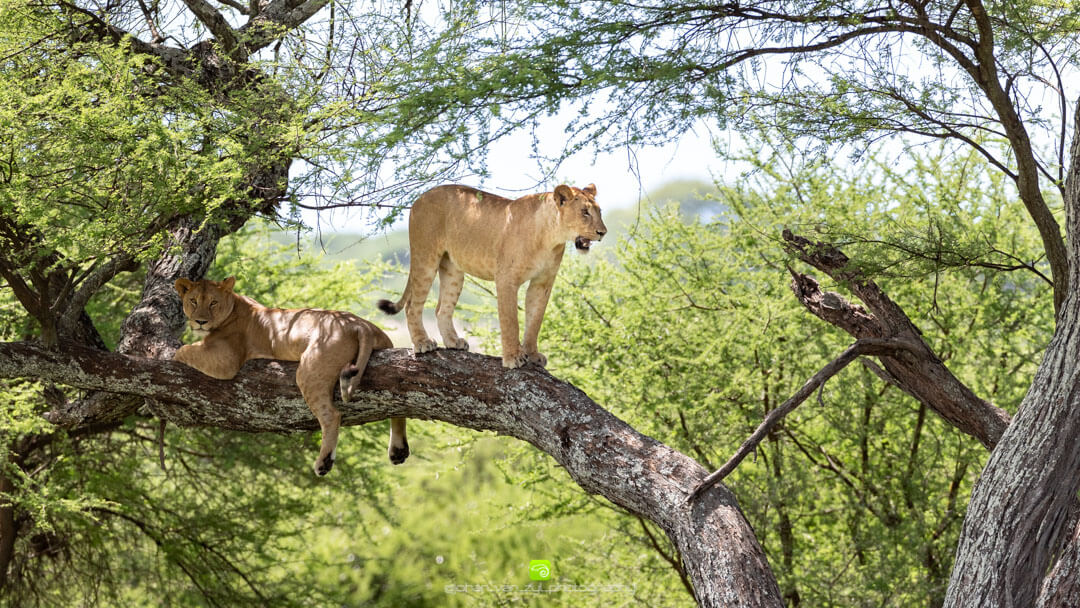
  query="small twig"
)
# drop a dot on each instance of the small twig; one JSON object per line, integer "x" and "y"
{"x": 864, "y": 346}
{"x": 674, "y": 560}
{"x": 161, "y": 445}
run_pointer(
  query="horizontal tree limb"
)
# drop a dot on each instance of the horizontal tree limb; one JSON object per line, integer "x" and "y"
{"x": 601, "y": 453}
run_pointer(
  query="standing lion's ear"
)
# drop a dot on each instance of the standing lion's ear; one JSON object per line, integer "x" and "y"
{"x": 183, "y": 286}
{"x": 590, "y": 190}
{"x": 563, "y": 193}
{"x": 228, "y": 283}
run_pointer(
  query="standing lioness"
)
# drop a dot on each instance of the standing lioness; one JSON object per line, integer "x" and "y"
{"x": 455, "y": 230}
{"x": 331, "y": 346}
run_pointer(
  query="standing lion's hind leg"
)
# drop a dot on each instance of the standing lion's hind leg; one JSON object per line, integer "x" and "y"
{"x": 451, "y": 279}
{"x": 422, "y": 271}
{"x": 399, "y": 445}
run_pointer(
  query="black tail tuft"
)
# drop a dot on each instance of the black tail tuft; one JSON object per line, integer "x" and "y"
{"x": 346, "y": 380}
{"x": 388, "y": 307}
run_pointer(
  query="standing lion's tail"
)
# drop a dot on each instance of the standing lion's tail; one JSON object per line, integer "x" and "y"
{"x": 391, "y": 308}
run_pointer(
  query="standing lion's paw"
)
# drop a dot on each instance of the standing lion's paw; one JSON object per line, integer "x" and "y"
{"x": 457, "y": 344}
{"x": 536, "y": 358}
{"x": 424, "y": 346}
{"x": 515, "y": 361}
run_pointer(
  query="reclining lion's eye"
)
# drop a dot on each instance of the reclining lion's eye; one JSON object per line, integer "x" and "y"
{"x": 213, "y": 303}
{"x": 194, "y": 302}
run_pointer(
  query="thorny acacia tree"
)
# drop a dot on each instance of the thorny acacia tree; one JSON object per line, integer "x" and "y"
{"x": 133, "y": 135}
{"x": 136, "y": 135}
{"x": 972, "y": 72}
{"x": 997, "y": 77}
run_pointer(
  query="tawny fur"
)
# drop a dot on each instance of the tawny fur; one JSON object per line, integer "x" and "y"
{"x": 458, "y": 230}
{"x": 331, "y": 346}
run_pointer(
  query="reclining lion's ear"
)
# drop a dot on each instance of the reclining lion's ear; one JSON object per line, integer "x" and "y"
{"x": 183, "y": 286}
{"x": 563, "y": 193}
{"x": 228, "y": 283}
{"x": 590, "y": 190}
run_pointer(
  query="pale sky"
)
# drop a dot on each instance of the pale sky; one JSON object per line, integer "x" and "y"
{"x": 621, "y": 177}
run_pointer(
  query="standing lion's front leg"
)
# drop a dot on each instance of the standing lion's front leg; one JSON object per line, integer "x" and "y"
{"x": 536, "y": 299}
{"x": 506, "y": 294}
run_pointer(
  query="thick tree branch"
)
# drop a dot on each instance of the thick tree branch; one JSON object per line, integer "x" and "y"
{"x": 215, "y": 22}
{"x": 923, "y": 376}
{"x": 276, "y": 19}
{"x": 600, "y": 452}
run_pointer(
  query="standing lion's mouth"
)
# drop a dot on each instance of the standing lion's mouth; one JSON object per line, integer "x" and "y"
{"x": 582, "y": 243}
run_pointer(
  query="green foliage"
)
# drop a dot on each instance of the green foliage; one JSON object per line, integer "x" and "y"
{"x": 821, "y": 73}
{"x": 99, "y": 154}
{"x": 692, "y": 336}
{"x": 688, "y": 331}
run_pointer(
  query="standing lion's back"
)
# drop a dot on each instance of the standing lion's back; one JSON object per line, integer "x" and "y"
{"x": 457, "y": 207}
{"x": 463, "y": 221}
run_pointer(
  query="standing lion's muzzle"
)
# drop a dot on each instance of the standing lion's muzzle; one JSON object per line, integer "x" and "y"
{"x": 584, "y": 243}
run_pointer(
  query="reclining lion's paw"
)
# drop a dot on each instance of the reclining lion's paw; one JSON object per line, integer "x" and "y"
{"x": 536, "y": 359}
{"x": 398, "y": 454}
{"x": 424, "y": 346}
{"x": 322, "y": 467}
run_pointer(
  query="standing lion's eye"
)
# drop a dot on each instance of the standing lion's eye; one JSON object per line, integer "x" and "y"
{"x": 585, "y": 212}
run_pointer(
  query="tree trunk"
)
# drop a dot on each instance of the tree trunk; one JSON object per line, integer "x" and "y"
{"x": 8, "y": 529}
{"x": 1022, "y": 511}
{"x": 601, "y": 453}
{"x": 1020, "y": 506}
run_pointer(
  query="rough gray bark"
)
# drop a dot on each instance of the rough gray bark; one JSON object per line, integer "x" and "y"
{"x": 602, "y": 453}
{"x": 1020, "y": 507}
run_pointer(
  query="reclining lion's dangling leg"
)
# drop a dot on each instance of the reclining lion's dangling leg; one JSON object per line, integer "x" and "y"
{"x": 316, "y": 382}
{"x": 399, "y": 445}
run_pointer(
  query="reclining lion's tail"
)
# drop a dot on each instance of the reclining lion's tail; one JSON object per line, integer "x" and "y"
{"x": 349, "y": 379}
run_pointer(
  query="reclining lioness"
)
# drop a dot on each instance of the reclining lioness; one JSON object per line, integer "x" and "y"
{"x": 330, "y": 346}
{"x": 454, "y": 230}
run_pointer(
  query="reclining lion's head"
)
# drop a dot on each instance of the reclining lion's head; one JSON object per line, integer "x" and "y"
{"x": 207, "y": 304}
{"x": 579, "y": 213}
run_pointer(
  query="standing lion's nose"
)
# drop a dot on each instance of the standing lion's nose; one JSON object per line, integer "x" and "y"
{"x": 601, "y": 232}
